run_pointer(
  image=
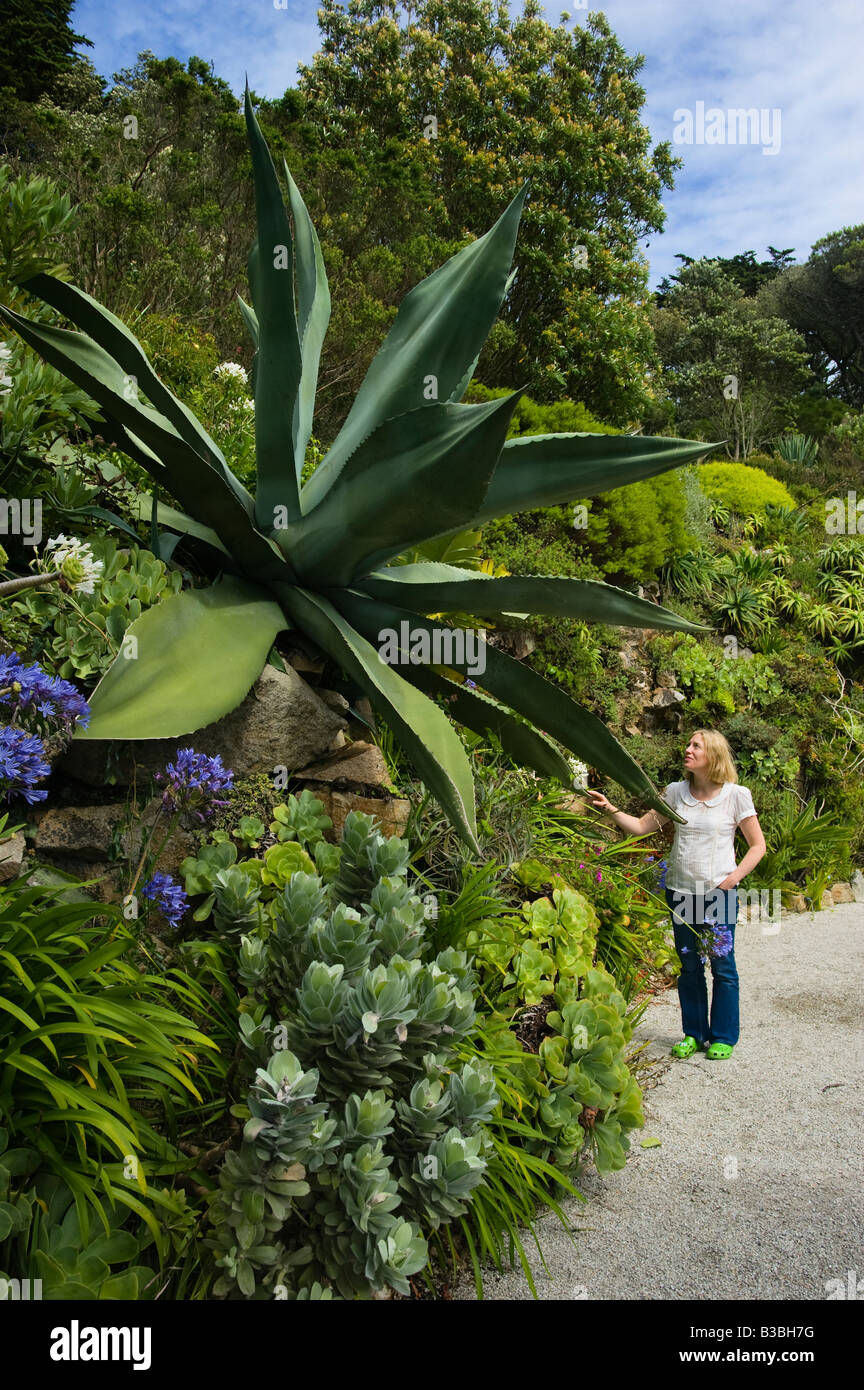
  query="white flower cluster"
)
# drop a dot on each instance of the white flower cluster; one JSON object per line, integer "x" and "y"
{"x": 231, "y": 369}
{"x": 75, "y": 561}
{"x": 580, "y": 772}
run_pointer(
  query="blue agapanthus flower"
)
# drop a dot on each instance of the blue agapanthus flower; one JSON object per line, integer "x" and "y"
{"x": 39, "y": 700}
{"x": 713, "y": 942}
{"x": 22, "y": 765}
{"x": 168, "y": 896}
{"x": 193, "y": 783}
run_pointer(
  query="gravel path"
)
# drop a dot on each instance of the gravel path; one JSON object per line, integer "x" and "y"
{"x": 756, "y": 1189}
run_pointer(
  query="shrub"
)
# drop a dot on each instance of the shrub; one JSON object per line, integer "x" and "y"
{"x": 81, "y": 638}
{"x": 363, "y": 1128}
{"x": 95, "y": 1055}
{"x": 532, "y": 417}
{"x": 745, "y": 490}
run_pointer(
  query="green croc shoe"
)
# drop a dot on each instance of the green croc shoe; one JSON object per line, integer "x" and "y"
{"x": 718, "y": 1050}
{"x": 686, "y": 1047}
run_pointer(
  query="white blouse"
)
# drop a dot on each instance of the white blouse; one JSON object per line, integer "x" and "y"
{"x": 703, "y": 851}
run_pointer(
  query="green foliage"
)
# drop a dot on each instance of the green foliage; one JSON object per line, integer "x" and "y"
{"x": 39, "y": 403}
{"x": 797, "y": 448}
{"x": 363, "y": 1129}
{"x": 531, "y": 955}
{"x": 301, "y": 818}
{"x": 802, "y": 839}
{"x": 633, "y": 531}
{"x": 823, "y": 300}
{"x": 746, "y": 491}
{"x": 95, "y": 1052}
{"x": 535, "y": 417}
{"x": 38, "y": 45}
{"x": 81, "y": 638}
{"x": 293, "y": 560}
{"x": 41, "y": 1238}
{"x": 585, "y": 1063}
{"x": 508, "y": 109}
{"x": 732, "y": 367}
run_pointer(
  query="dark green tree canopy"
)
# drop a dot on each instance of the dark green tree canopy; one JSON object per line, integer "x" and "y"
{"x": 824, "y": 300}
{"x": 744, "y": 269}
{"x": 38, "y": 45}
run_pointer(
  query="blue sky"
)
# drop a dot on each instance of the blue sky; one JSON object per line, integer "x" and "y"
{"x": 801, "y": 58}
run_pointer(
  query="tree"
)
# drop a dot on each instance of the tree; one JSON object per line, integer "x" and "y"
{"x": 732, "y": 370}
{"x": 38, "y": 45}
{"x": 744, "y": 270}
{"x": 419, "y": 124}
{"x": 157, "y": 171}
{"x": 824, "y": 301}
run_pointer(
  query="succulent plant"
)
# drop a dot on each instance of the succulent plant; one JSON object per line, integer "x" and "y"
{"x": 83, "y": 644}
{"x": 364, "y": 1129}
{"x": 411, "y": 463}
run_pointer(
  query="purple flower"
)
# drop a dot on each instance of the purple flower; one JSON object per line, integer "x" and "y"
{"x": 599, "y": 876}
{"x": 661, "y": 878}
{"x": 722, "y": 942}
{"x": 168, "y": 896}
{"x": 193, "y": 783}
{"x": 44, "y": 700}
{"x": 581, "y": 866}
{"x": 470, "y": 685}
{"x": 22, "y": 765}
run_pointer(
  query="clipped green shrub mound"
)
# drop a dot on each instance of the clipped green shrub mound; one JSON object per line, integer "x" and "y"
{"x": 747, "y": 491}
{"x": 363, "y": 1128}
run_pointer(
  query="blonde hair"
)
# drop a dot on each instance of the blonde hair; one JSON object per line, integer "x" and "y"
{"x": 721, "y": 764}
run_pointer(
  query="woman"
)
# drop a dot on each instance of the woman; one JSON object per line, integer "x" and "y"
{"x": 701, "y": 882}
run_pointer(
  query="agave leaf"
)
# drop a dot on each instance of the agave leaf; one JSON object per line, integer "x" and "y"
{"x": 586, "y": 599}
{"x": 122, "y": 345}
{"x": 278, "y": 365}
{"x": 543, "y": 470}
{"x": 462, "y": 386}
{"x": 198, "y": 654}
{"x": 155, "y": 441}
{"x": 476, "y": 711}
{"x": 413, "y": 478}
{"x": 522, "y": 690}
{"x": 251, "y": 321}
{"x": 422, "y": 728}
{"x": 175, "y": 521}
{"x": 313, "y": 313}
{"x": 438, "y": 332}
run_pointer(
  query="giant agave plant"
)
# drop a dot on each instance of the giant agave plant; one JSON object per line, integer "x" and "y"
{"x": 411, "y": 463}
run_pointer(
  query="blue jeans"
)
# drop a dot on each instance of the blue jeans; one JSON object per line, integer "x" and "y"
{"x": 688, "y": 911}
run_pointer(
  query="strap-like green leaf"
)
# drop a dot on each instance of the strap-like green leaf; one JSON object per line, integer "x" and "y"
{"x": 313, "y": 313}
{"x": 415, "y": 477}
{"x": 437, "y": 334}
{"x": 542, "y": 470}
{"x": 198, "y": 654}
{"x": 278, "y": 364}
{"x": 250, "y": 319}
{"x": 522, "y": 690}
{"x": 142, "y": 506}
{"x": 420, "y": 726}
{"x": 476, "y": 711}
{"x": 585, "y": 599}
{"x": 154, "y": 442}
{"x": 121, "y": 344}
